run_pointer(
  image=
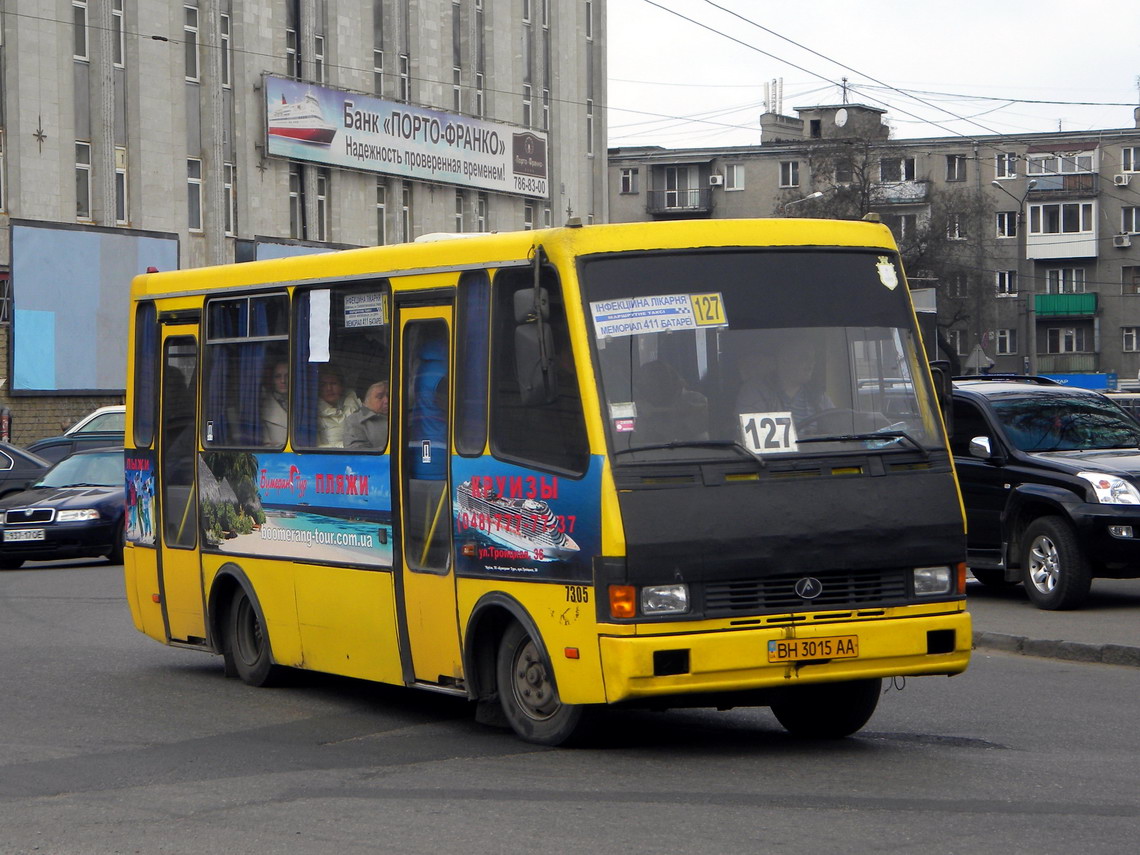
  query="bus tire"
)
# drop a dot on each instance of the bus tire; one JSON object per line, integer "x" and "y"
{"x": 1055, "y": 572}
{"x": 247, "y": 643}
{"x": 828, "y": 710}
{"x": 527, "y": 694}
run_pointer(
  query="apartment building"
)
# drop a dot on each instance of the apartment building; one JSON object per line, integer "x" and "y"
{"x": 203, "y": 132}
{"x": 1031, "y": 243}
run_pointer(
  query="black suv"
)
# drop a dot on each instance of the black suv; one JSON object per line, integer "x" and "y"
{"x": 1050, "y": 478}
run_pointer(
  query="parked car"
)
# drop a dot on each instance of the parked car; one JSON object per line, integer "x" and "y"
{"x": 1050, "y": 477}
{"x": 103, "y": 420}
{"x": 19, "y": 469}
{"x": 76, "y": 510}
{"x": 55, "y": 448}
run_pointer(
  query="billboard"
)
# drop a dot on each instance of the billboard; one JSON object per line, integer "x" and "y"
{"x": 328, "y": 126}
{"x": 70, "y": 303}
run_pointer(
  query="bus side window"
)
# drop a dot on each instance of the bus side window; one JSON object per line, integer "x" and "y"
{"x": 472, "y": 332}
{"x": 341, "y": 367}
{"x": 542, "y": 425}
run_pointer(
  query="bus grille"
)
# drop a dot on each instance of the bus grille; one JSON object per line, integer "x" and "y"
{"x": 777, "y": 593}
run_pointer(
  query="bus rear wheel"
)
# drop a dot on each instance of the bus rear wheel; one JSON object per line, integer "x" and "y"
{"x": 828, "y": 710}
{"x": 527, "y": 693}
{"x": 247, "y": 643}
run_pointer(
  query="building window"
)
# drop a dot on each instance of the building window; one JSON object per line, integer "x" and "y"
{"x": 1065, "y": 280}
{"x": 1053, "y": 164}
{"x": 844, "y": 172}
{"x": 229, "y": 184}
{"x": 1005, "y": 283}
{"x": 896, "y": 169}
{"x": 1130, "y": 280}
{"x": 381, "y": 211}
{"x": 3, "y": 205}
{"x": 958, "y": 341}
{"x": 292, "y": 67}
{"x": 590, "y": 127}
{"x": 194, "y": 194}
{"x": 459, "y": 211}
{"x": 734, "y": 176}
{"x": 457, "y": 90}
{"x": 589, "y": 19}
{"x": 1130, "y": 159}
{"x": 319, "y": 59}
{"x": 546, "y": 109}
{"x": 118, "y": 43}
{"x": 323, "y": 203}
{"x": 79, "y": 19}
{"x": 481, "y": 213}
{"x": 903, "y": 226}
{"x": 789, "y": 173}
{"x": 526, "y": 105}
{"x": 1130, "y": 220}
{"x": 955, "y": 167}
{"x": 1005, "y": 165}
{"x": 190, "y": 42}
{"x": 956, "y": 227}
{"x": 295, "y": 214}
{"x": 406, "y": 212}
{"x": 1067, "y": 340}
{"x": 479, "y": 94}
{"x": 528, "y": 216}
{"x": 629, "y": 180}
{"x": 957, "y": 286}
{"x": 1006, "y": 224}
{"x": 227, "y": 55}
{"x": 83, "y": 181}
{"x": 1066, "y": 218}
{"x": 548, "y": 219}
{"x": 1006, "y": 342}
{"x": 378, "y": 72}
{"x": 122, "y": 217}
{"x": 405, "y": 93}
{"x": 1129, "y": 339}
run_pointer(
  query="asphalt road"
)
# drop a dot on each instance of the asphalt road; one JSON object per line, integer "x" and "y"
{"x": 110, "y": 742}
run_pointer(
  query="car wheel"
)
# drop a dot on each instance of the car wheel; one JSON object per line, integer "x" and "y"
{"x": 115, "y": 556}
{"x": 247, "y": 651}
{"x": 528, "y": 696}
{"x": 828, "y": 710}
{"x": 1055, "y": 572}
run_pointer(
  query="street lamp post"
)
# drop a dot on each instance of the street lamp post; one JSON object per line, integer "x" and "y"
{"x": 818, "y": 194}
{"x": 1031, "y": 297}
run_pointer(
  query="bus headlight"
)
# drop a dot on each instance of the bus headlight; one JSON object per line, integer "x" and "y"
{"x": 931, "y": 581}
{"x": 664, "y": 599}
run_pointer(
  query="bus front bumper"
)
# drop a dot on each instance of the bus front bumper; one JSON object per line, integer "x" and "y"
{"x": 740, "y": 660}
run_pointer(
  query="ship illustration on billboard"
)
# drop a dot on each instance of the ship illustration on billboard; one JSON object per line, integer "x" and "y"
{"x": 527, "y": 525}
{"x": 301, "y": 120}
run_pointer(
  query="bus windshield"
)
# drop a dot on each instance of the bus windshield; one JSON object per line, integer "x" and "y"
{"x": 768, "y": 352}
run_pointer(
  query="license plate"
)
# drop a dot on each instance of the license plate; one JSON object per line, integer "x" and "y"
{"x": 23, "y": 534}
{"x": 799, "y": 649}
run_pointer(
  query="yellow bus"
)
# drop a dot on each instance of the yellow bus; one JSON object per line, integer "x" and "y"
{"x": 662, "y": 464}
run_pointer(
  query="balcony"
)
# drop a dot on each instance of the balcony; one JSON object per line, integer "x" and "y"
{"x": 900, "y": 192}
{"x": 1081, "y": 185}
{"x": 679, "y": 203}
{"x": 1065, "y": 305}
{"x": 1068, "y": 363}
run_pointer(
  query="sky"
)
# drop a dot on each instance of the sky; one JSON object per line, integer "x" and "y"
{"x": 966, "y": 68}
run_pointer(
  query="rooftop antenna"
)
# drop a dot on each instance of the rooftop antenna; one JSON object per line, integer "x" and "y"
{"x": 844, "y": 81}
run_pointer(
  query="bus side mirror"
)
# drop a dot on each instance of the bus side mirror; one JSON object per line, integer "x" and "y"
{"x": 534, "y": 348}
{"x": 943, "y": 390}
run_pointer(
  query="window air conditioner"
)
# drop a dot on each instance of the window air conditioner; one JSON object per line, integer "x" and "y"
{"x": 1122, "y": 179}
{"x": 716, "y": 180}
{"x": 1122, "y": 241}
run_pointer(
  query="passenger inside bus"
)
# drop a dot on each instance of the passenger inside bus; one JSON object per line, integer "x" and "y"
{"x": 274, "y": 405}
{"x": 667, "y": 410}
{"x": 368, "y": 427}
{"x": 789, "y": 377}
{"x": 334, "y": 406}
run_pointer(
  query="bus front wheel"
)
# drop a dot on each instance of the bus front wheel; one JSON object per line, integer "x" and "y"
{"x": 527, "y": 693}
{"x": 247, "y": 643}
{"x": 828, "y": 710}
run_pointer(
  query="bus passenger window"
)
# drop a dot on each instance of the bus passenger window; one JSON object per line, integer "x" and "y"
{"x": 247, "y": 346}
{"x": 546, "y": 430}
{"x": 341, "y": 368}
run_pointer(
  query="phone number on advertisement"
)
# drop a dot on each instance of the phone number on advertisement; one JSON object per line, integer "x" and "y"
{"x": 530, "y": 185}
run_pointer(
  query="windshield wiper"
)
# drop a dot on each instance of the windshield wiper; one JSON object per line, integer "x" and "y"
{"x": 696, "y": 443}
{"x": 894, "y": 435}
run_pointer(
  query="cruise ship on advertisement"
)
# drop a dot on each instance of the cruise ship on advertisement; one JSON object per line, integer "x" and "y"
{"x": 523, "y": 524}
{"x": 301, "y": 120}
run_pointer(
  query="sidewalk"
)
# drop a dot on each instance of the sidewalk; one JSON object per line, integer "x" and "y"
{"x": 1106, "y": 629}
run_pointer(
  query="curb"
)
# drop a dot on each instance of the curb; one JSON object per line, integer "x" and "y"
{"x": 1075, "y": 651}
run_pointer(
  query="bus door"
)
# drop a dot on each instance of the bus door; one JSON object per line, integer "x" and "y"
{"x": 427, "y": 597}
{"x": 180, "y": 574}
